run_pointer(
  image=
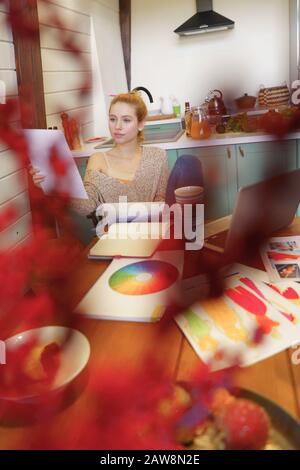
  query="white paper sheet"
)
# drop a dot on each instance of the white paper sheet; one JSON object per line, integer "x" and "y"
{"x": 281, "y": 257}
{"x": 40, "y": 143}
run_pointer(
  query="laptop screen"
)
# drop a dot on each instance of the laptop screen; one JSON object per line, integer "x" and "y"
{"x": 263, "y": 208}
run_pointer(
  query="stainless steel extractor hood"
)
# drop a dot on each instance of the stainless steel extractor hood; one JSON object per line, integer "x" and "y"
{"x": 204, "y": 21}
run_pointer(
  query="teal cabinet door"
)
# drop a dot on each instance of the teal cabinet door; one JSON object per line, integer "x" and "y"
{"x": 219, "y": 173}
{"x": 81, "y": 165}
{"x": 172, "y": 156}
{"x": 260, "y": 161}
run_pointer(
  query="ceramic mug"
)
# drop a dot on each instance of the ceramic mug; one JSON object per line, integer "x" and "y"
{"x": 191, "y": 201}
{"x": 189, "y": 195}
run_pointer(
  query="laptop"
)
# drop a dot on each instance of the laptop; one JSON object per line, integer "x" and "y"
{"x": 263, "y": 207}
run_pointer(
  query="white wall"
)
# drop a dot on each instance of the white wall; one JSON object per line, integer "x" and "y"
{"x": 13, "y": 177}
{"x": 255, "y": 52}
{"x": 63, "y": 73}
{"x": 94, "y": 26}
{"x": 109, "y": 68}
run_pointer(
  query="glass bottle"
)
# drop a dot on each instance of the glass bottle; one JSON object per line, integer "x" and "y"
{"x": 187, "y": 118}
{"x": 200, "y": 128}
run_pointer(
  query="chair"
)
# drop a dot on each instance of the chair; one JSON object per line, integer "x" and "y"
{"x": 187, "y": 171}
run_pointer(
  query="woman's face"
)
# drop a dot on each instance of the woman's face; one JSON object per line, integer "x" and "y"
{"x": 123, "y": 123}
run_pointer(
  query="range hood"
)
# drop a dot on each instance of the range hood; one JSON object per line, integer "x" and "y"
{"x": 204, "y": 21}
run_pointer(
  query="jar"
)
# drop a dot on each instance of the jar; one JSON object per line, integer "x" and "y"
{"x": 200, "y": 128}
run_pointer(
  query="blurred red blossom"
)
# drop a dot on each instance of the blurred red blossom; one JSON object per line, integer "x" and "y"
{"x": 122, "y": 407}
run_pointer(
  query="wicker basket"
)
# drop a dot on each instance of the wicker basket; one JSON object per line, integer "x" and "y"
{"x": 274, "y": 97}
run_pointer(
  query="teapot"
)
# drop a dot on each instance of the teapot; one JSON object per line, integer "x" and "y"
{"x": 216, "y": 106}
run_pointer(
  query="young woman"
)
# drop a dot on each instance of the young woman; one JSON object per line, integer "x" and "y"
{"x": 129, "y": 169}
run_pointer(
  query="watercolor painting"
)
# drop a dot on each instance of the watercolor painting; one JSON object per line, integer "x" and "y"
{"x": 225, "y": 329}
{"x": 281, "y": 257}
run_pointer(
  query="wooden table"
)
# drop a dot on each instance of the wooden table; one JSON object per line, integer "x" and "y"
{"x": 127, "y": 343}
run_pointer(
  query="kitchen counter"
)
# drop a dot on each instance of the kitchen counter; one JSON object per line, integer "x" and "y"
{"x": 215, "y": 140}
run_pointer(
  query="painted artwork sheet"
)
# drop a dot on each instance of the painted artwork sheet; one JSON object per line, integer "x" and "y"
{"x": 226, "y": 329}
{"x": 281, "y": 257}
{"x": 41, "y": 145}
{"x": 135, "y": 290}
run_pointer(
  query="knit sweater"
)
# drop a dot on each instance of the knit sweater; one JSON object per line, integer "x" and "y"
{"x": 148, "y": 185}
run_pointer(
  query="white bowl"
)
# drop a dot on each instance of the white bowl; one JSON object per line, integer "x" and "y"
{"x": 74, "y": 354}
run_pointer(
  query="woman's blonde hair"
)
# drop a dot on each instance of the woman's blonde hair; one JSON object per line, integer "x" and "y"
{"x": 135, "y": 100}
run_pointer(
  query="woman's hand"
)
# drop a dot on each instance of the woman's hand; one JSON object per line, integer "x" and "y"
{"x": 37, "y": 177}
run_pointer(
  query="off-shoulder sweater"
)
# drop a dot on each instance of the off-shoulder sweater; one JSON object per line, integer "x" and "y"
{"x": 149, "y": 183}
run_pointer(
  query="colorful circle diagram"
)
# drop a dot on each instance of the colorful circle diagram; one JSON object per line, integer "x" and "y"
{"x": 143, "y": 277}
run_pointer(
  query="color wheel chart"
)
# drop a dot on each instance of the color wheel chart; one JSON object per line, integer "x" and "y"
{"x": 136, "y": 289}
{"x": 143, "y": 277}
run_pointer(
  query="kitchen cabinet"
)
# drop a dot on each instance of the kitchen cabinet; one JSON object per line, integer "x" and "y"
{"x": 226, "y": 168}
{"x": 172, "y": 157}
{"x": 262, "y": 160}
{"x": 81, "y": 165}
{"x": 219, "y": 173}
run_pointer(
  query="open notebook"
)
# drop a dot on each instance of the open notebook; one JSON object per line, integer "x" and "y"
{"x": 130, "y": 240}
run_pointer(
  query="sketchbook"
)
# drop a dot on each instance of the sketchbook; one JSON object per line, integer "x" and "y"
{"x": 136, "y": 290}
{"x": 130, "y": 240}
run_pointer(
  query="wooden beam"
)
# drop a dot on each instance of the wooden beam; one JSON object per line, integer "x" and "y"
{"x": 125, "y": 24}
{"x": 26, "y": 38}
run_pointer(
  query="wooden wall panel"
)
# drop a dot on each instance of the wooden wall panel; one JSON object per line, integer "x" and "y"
{"x": 9, "y": 77}
{"x": 64, "y": 81}
{"x": 20, "y": 204}
{"x": 9, "y": 163}
{"x": 56, "y": 61}
{"x": 51, "y": 39}
{"x": 12, "y": 185}
{"x": 72, "y": 20}
{"x": 16, "y": 232}
{"x": 5, "y": 31}
{"x": 7, "y": 60}
{"x": 64, "y": 74}
{"x": 13, "y": 178}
